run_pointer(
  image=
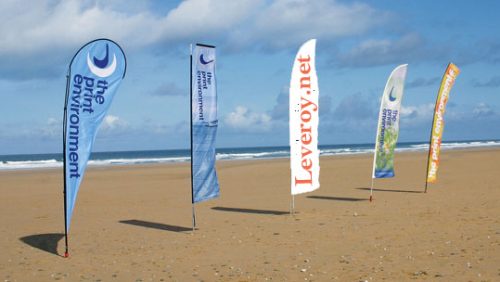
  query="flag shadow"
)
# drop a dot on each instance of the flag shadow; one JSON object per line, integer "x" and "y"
{"x": 389, "y": 190}
{"x": 342, "y": 199}
{"x": 45, "y": 242}
{"x": 254, "y": 211}
{"x": 156, "y": 225}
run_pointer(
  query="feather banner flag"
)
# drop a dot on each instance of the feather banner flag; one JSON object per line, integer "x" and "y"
{"x": 94, "y": 75}
{"x": 447, "y": 82}
{"x": 388, "y": 124}
{"x": 204, "y": 123}
{"x": 304, "y": 119}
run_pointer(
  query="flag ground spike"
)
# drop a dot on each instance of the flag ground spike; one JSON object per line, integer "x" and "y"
{"x": 194, "y": 219}
{"x": 66, "y": 252}
{"x": 191, "y": 126}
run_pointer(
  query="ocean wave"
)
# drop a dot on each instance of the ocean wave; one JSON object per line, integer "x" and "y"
{"x": 224, "y": 154}
{"x": 29, "y": 164}
{"x": 124, "y": 161}
{"x": 344, "y": 151}
{"x": 243, "y": 156}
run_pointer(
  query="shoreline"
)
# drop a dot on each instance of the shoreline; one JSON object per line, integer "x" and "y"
{"x": 172, "y": 163}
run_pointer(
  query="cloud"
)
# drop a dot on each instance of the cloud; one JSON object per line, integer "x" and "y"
{"x": 51, "y": 129}
{"x": 38, "y": 42}
{"x": 169, "y": 89}
{"x": 300, "y": 20}
{"x": 492, "y": 82}
{"x": 51, "y": 26}
{"x": 422, "y": 82}
{"x": 406, "y": 49}
{"x": 483, "y": 110}
{"x": 355, "y": 108}
{"x": 113, "y": 125}
{"x": 418, "y": 113}
{"x": 485, "y": 50}
{"x": 196, "y": 18}
{"x": 280, "y": 109}
{"x": 248, "y": 121}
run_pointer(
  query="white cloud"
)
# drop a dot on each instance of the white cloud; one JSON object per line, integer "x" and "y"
{"x": 288, "y": 22}
{"x": 37, "y": 42}
{"x": 51, "y": 129}
{"x": 113, "y": 124}
{"x": 51, "y": 25}
{"x": 417, "y": 116}
{"x": 417, "y": 112}
{"x": 483, "y": 110}
{"x": 373, "y": 52}
{"x": 200, "y": 18}
{"x": 245, "y": 120}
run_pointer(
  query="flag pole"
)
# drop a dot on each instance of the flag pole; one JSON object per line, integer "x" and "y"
{"x": 191, "y": 127}
{"x": 371, "y": 191}
{"x": 66, "y": 251}
{"x": 429, "y": 151}
{"x": 428, "y": 159}
{"x": 292, "y": 211}
{"x": 430, "y": 141}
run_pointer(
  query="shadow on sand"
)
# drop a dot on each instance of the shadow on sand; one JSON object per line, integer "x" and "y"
{"x": 250, "y": 211}
{"x": 342, "y": 199}
{"x": 389, "y": 190}
{"x": 155, "y": 225}
{"x": 45, "y": 242}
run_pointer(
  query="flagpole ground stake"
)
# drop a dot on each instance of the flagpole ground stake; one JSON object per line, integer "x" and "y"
{"x": 194, "y": 219}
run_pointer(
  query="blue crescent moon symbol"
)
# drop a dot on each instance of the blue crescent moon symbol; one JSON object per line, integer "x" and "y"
{"x": 392, "y": 98}
{"x": 104, "y": 62}
{"x": 98, "y": 67}
{"x": 203, "y": 62}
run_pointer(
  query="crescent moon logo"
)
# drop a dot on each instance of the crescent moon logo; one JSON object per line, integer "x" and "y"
{"x": 392, "y": 98}
{"x": 203, "y": 62}
{"x": 99, "y": 66}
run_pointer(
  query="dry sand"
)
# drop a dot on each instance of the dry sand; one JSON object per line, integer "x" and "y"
{"x": 134, "y": 223}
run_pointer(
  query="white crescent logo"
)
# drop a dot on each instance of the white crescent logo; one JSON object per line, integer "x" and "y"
{"x": 105, "y": 72}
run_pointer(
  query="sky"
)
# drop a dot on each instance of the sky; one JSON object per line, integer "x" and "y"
{"x": 359, "y": 43}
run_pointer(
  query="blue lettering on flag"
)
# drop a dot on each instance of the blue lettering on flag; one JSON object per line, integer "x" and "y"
{"x": 94, "y": 75}
{"x": 204, "y": 124}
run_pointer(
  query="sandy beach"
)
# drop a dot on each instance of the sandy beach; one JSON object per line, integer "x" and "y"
{"x": 133, "y": 223}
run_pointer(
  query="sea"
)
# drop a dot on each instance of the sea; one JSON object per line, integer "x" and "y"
{"x": 41, "y": 161}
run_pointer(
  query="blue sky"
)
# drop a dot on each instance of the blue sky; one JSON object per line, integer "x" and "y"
{"x": 359, "y": 43}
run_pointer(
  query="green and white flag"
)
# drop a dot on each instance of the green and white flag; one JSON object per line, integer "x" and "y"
{"x": 388, "y": 124}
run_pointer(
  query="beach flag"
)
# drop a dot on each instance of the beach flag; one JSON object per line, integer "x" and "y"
{"x": 204, "y": 183}
{"x": 94, "y": 74}
{"x": 447, "y": 82}
{"x": 304, "y": 119}
{"x": 388, "y": 125}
